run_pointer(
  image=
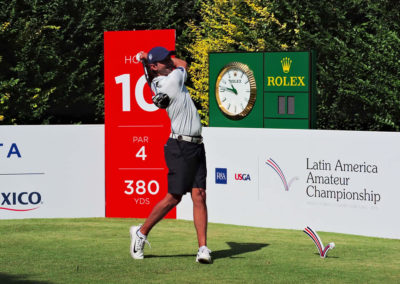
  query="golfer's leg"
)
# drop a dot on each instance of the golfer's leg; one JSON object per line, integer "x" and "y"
{"x": 159, "y": 211}
{"x": 200, "y": 214}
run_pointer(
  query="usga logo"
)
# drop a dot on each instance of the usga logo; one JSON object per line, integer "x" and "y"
{"x": 242, "y": 177}
{"x": 20, "y": 199}
{"x": 221, "y": 176}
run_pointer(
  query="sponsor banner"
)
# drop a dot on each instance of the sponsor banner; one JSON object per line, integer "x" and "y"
{"x": 287, "y": 71}
{"x": 337, "y": 181}
{"x": 51, "y": 171}
{"x": 135, "y": 129}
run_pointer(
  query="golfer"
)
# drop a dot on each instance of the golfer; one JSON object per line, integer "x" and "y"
{"x": 184, "y": 151}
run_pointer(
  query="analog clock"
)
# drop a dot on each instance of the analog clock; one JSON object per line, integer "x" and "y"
{"x": 236, "y": 90}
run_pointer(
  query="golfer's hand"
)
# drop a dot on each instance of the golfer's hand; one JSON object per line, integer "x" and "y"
{"x": 143, "y": 55}
{"x": 139, "y": 57}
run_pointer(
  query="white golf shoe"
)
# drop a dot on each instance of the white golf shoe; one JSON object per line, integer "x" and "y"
{"x": 203, "y": 255}
{"x": 137, "y": 242}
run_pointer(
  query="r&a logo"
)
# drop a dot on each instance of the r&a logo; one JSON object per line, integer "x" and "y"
{"x": 221, "y": 176}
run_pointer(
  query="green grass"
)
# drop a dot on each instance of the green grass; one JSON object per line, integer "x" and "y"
{"x": 96, "y": 250}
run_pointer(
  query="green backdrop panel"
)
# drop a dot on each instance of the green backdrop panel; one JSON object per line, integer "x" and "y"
{"x": 217, "y": 62}
{"x": 285, "y": 84}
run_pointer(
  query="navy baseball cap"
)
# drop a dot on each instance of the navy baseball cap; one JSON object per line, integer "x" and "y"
{"x": 157, "y": 54}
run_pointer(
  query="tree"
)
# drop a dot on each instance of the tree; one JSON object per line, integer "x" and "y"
{"x": 52, "y": 54}
{"x": 356, "y": 42}
{"x": 358, "y": 71}
{"x": 230, "y": 26}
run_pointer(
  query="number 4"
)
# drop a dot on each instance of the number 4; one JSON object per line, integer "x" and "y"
{"x": 141, "y": 153}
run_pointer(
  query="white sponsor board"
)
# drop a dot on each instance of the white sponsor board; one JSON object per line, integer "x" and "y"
{"x": 51, "y": 171}
{"x": 336, "y": 181}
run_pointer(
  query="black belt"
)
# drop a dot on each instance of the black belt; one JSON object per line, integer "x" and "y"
{"x": 192, "y": 139}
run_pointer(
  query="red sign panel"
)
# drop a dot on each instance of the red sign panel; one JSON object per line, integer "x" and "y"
{"x": 135, "y": 129}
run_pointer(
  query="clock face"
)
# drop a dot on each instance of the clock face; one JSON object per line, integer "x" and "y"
{"x": 236, "y": 90}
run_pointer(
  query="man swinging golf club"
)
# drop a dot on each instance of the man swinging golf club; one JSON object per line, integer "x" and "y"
{"x": 184, "y": 150}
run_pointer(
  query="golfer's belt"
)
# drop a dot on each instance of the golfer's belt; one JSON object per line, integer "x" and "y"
{"x": 192, "y": 139}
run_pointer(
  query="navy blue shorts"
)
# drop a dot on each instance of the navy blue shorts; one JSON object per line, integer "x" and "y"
{"x": 186, "y": 163}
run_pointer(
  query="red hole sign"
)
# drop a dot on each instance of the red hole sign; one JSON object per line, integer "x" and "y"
{"x": 135, "y": 129}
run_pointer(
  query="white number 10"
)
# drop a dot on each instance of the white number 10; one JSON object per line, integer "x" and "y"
{"x": 125, "y": 80}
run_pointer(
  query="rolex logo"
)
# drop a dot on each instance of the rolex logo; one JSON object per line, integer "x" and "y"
{"x": 286, "y": 62}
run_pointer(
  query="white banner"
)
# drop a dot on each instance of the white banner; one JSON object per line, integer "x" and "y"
{"x": 51, "y": 171}
{"x": 336, "y": 181}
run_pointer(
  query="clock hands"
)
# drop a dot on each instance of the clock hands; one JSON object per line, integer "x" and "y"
{"x": 233, "y": 90}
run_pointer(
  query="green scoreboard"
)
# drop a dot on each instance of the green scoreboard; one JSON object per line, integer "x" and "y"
{"x": 262, "y": 90}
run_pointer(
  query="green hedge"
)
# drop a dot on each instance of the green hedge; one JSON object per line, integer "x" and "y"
{"x": 358, "y": 66}
{"x": 51, "y": 55}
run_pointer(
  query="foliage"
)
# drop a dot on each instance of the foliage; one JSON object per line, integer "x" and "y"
{"x": 51, "y": 67}
{"x": 358, "y": 66}
{"x": 356, "y": 42}
{"x": 51, "y": 52}
{"x": 229, "y": 26}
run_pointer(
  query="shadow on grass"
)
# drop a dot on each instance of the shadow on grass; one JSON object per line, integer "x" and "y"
{"x": 237, "y": 249}
{"x": 234, "y": 250}
{"x": 18, "y": 279}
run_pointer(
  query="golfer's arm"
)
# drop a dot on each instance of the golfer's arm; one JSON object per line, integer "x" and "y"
{"x": 179, "y": 62}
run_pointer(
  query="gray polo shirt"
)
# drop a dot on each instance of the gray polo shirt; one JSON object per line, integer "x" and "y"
{"x": 185, "y": 119}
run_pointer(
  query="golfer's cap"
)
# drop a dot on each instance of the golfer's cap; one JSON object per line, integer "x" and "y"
{"x": 157, "y": 54}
